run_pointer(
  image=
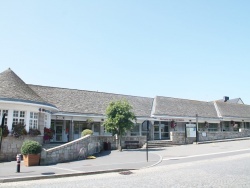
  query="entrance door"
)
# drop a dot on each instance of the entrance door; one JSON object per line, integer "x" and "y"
{"x": 157, "y": 135}
{"x": 161, "y": 132}
{"x": 59, "y": 133}
{"x": 164, "y": 132}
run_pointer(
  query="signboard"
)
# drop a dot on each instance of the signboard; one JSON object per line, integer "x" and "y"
{"x": 166, "y": 119}
{"x": 191, "y": 130}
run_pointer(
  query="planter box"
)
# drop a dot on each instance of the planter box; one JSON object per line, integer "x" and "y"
{"x": 31, "y": 160}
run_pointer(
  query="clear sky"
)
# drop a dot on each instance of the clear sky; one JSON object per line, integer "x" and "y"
{"x": 191, "y": 49}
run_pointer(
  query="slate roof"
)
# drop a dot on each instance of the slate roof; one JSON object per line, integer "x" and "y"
{"x": 13, "y": 88}
{"x": 236, "y": 100}
{"x": 233, "y": 110}
{"x": 90, "y": 102}
{"x": 183, "y": 107}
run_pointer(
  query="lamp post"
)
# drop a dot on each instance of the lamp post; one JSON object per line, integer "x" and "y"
{"x": 197, "y": 133}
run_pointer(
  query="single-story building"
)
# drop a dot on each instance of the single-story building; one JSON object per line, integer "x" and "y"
{"x": 67, "y": 111}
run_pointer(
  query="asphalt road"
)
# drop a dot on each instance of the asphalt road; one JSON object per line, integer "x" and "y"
{"x": 228, "y": 171}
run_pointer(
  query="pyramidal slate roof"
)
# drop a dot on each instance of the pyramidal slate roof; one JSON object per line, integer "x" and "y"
{"x": 13, "y": 88}
{"x": 183, "y": 107}
{"x": 233, "y": 110}
{"x": 90, "y": 102}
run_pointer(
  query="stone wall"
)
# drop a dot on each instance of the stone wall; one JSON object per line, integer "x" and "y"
{"x": 179, "y": 137}
{"x": 11, "y": 146}
{"x": 208, "y": 136}
{"x": 83, "y": 147}
{"x": 74, "y": 150}
{"x": 114, "y": 142}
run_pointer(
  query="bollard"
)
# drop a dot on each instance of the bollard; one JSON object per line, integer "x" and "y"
{"x": 18, "y": 160}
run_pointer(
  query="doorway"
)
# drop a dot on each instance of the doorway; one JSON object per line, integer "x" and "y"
{"x": 59, "y": 133}
{"x": 161, "y": 131}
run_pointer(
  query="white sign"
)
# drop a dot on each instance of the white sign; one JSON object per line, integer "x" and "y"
{"x": 191, "y": 130}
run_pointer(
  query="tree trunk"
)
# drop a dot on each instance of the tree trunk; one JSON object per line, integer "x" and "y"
{"x": 120, "y": 140}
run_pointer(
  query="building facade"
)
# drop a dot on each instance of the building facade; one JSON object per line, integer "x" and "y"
{"x": 69, "y": 111}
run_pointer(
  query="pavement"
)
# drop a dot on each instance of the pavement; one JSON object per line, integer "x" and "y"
{"x": 116, "y": 161}
{"x": 105, "y": 162}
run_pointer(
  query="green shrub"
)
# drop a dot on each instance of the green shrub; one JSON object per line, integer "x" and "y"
{"x": 18, "y": 130}
{"x": 31, "y": 147}
{"x": 87, "y": 132}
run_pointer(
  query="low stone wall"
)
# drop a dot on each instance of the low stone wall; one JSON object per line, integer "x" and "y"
{"x": 209, "y": 136}
{"x": 74, "y": 150}
{"x": 178, "y": 138}
{"x": 114, "y": 142}
{"x": 83, "y": 147}
{"x": 11, "y": 146}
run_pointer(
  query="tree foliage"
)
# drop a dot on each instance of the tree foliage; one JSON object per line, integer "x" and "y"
{"x": 119, "y": 117}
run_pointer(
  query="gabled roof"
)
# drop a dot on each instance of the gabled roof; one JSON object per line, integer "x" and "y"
{"x": 235, "y": 101}
{"x": 183, "y": 107}
{"x": 90, "y": 102}
{"x": 233, "y": 110}
{"x": 13, "y": 88}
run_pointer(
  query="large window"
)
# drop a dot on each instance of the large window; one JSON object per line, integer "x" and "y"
{"x": 97, "y": 127}
{"x": 33, "y": 120}
{"x": 202, "y": 126}
{"x": 247, "y": 125}
{"x": 18, "y": 117}
{"x": 45, "y": 120}
{"x": 212, "y": 127}
{"x": 136, "y": 130}
{"x": 6, "y": 117}
{"x": 226, "y": 126}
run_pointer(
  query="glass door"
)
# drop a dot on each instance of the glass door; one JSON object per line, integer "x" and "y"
{"x": 164, "y": 132}
{"x": 157, "y": 132}
{"x": 59, "y": 133}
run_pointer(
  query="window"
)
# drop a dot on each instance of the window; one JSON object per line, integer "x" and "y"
{"x": 45, "y": 120}
{"x": 201, "y": 127}
{"x": 6, "y": 117}
{"x": 135, "y": 131}
{"x": 33, "y": 120}
{"x": 212, "y": 127}
{"x": 247, "y": 125}
{"x": 97, "y": 127}
{"x": 226, "y": 126}
{"x": 18, "y": 117}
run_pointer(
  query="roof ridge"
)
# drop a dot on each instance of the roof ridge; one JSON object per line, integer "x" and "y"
{"x": 185, "y": 99}
{"x": 88, "y": 91}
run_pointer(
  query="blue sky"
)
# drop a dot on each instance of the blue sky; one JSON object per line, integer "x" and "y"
{"x": 187, "y": 49}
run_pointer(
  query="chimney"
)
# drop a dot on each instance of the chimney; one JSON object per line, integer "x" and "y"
{"x": 226, "y": 98}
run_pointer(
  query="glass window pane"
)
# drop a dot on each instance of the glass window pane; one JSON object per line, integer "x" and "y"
{"x": 15, "y": 113}
{"x": 35, "y": 115}
{"x": 21, "y": 121}
{"x": 22, "y": 114}
{"x": 6, "y": 112}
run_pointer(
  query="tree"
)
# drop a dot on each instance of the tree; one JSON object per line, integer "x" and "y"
{"x": 119, "y": 119}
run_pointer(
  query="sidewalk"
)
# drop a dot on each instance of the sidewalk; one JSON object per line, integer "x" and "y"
{"x": 106, "y": 161}
{"x": 115, "y": 161}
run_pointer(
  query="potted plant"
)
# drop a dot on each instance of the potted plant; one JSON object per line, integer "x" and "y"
{"x": 31, "y": 152}
{"x": 87, "y": 132}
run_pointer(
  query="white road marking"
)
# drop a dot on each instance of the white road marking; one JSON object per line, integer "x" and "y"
{"x": 191, "y": 156}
